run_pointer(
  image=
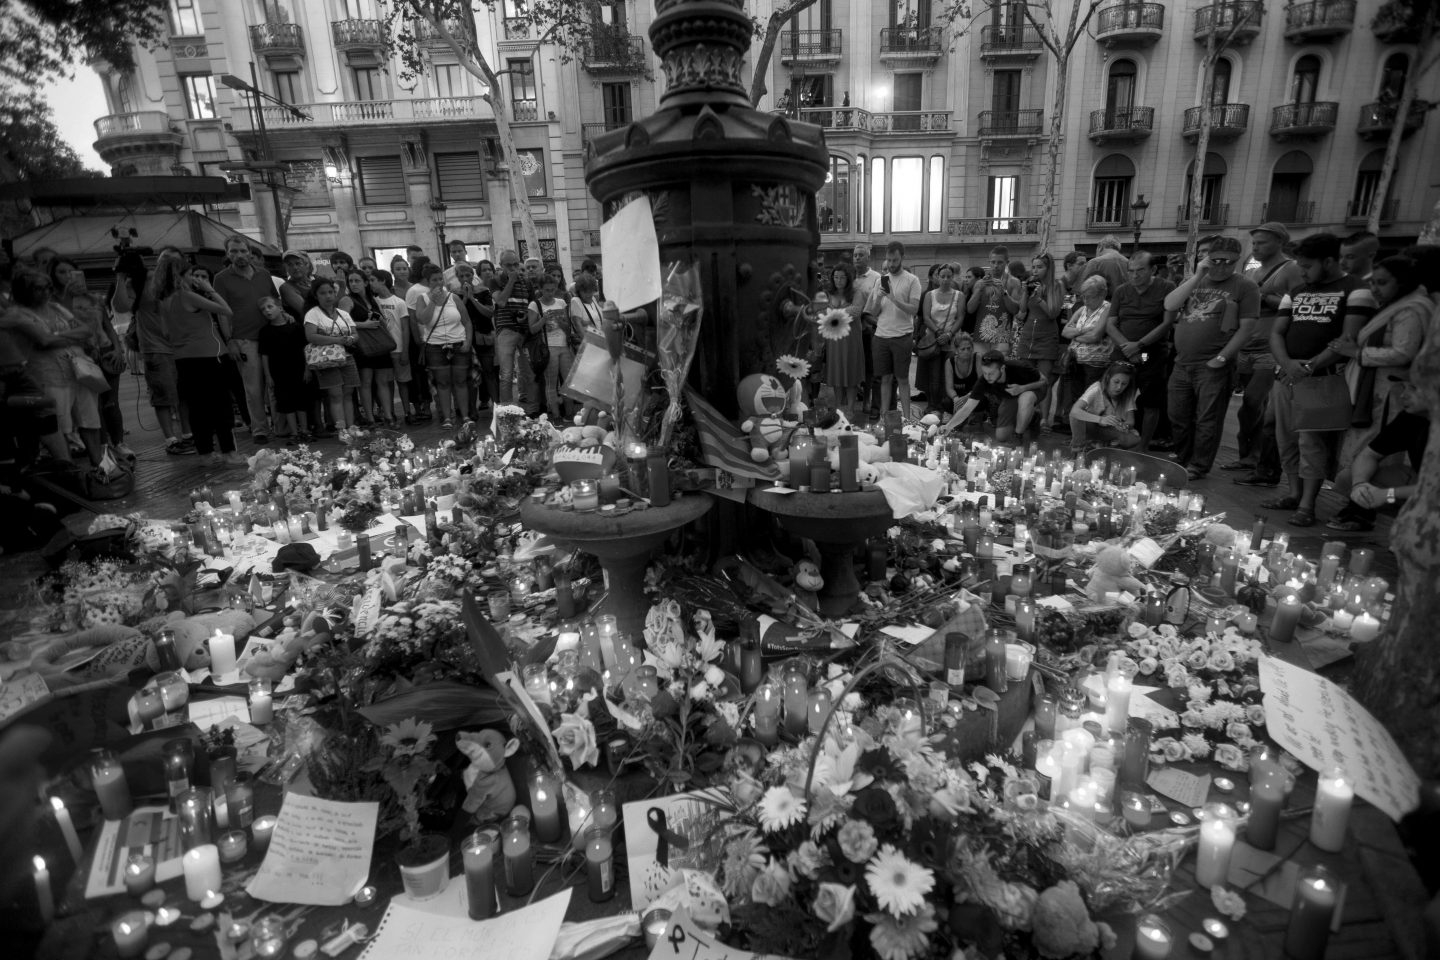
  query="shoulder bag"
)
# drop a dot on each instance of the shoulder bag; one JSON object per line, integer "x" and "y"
{"x": 1321, "y": 403}
{"x": 88, "y": 373}
{"x": 326, "y": 356}
{"x": 375, "y": 342}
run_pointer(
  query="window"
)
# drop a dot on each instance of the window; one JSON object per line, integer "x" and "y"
{"x": 935, "y": 212}
{"x": 833, "y": 201}
{"x": 355, "y": 10}
{"x": 1119, "y": 92}
{"x": 1110, "y": 205}
{"x": 124, "y": 96}
{"x": 907, "y": 98}
{"x": 275, "y": 11}
{"x": 532, "y": 168}
{"x": 877, "y": 195}
{"x": 1367, "y": 185}
{"x": 1306, "y": 79}
{"x": 616, "y": 100}
{"x": 1000, "y": 202}
{"x": 307, "y": 178}
{"x": 814, "y": 91}
{"x": 1392, "y": 79}
{"x": 185, "y": 19}
{"x": 382, "y": 180}
{"x": 910, "y": 13}
{"x": 448, "y": 81}
{"x": 523, "y": 105}
{"x": 817, "y": 16}
{"x": 611, "y": 14}
{"x": 1288, "y": 187}
{"x": 1212, "y": 184}
{"x": 1220, "y": 82}
{"x": 367, "y": 83}
{"x": 460, "y": 176}
{"x": 860, "y": 209}
{"x": 516, "y": 8}
{"x": 287, "y": 85}
{"x": 1005, "y": 100}
{"x": 907, "y": 198}
{"x": 199, "y": 95}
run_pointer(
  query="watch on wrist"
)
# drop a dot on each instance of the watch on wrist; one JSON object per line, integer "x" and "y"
{"x": 1390, "y": 496}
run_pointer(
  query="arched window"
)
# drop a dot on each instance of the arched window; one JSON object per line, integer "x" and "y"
{"x": 1212, "y": 189}
{"x": 124, "y": 96}
{"x": 1306, "y": 79}
{"x": 833, "y": 203}
{"x": 1120, "y": 89}
{"x": 1392, "y": 78}
{"x": 1289, "y": 185}
{"x": 1110, "y": 201}
{"x": 1220, "y": 82}
{"x": 1367, "y": 185}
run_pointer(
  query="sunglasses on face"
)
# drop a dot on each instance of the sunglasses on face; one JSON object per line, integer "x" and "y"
{"x": 1220, "y": 260}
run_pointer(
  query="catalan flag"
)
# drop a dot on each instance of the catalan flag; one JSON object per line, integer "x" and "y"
{"x": 724, "y": 445}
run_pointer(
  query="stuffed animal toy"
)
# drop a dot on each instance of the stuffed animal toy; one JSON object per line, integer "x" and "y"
{"x": 1111, "y": 574}
{"x": 808, "y": 584}
{"x": 762, "y": 401}
{"x": 192, "y": 636}
{"x": 489, "y": 789}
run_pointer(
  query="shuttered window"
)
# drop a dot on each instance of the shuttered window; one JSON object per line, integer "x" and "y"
{"x": 460, "y": 176}
{"x": 382, "y": 180}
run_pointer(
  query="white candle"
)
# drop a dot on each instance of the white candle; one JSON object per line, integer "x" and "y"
{"x": 1333, "y": 798}
{"x": 234, "y": 497}
{"x": 131, "y": 932}
{"x": 67, "y": 828}
{"x": 222, "y": 653}
{"x": 1364, "y": 628}
{"x": 202, "y": 871}
{"x": 1152, "y": 938}
{"x": 1072, "y": 765}
{"x": 43, "y": 893}
{"x": 1217, "y": 840}
{"x": 262, "y": 708}
{"x": 1117, "y": 704}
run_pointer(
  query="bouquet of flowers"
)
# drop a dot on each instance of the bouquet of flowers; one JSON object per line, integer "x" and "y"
{"x": 83, "y": 595}
{"x": 297, "y": 472}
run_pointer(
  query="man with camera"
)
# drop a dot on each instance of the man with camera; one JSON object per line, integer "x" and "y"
{"x": 894, "y": 301}
{"x": 513, "y": 291}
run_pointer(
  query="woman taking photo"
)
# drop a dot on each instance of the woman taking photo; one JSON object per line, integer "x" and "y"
{"x": 1037, "y": 330}
{"x": 942, "y": 313}
{"x": 844, "y": 355}
{"x": 550, "y": 317}
{"x": 377, "y": 371}
{"x": 446, "y": 335}
{"x": 325, "y": 324}
{"x": 198, "y": 322}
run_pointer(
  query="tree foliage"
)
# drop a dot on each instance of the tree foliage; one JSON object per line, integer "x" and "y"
{"x": 31, "y": 148}
{"x": 768, "y": 33}
{"x": 40, "y": 38}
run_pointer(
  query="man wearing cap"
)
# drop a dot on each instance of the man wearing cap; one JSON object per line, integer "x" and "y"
{"x": 243, "y": 285}
{"x": 1013, "y": 388}
{"x": 1276, "y": 275}
{"x": 1380, "y": 476}
{"x": 1217, "y": 312}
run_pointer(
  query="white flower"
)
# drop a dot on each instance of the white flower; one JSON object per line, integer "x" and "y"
{"x": 793, "y": 367}
{"x": 834, "y": 324}
{"x": 780, "y": 808}
{"x": 898, "y": 884}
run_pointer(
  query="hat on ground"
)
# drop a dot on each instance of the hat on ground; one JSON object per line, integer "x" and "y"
{"x": 992, "y": 356}
{"x": 295, "y": 556}
{"x": 1225, "y": 245}
{"x": 1271, "y": 226}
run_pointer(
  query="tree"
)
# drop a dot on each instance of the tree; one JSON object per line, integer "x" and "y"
{"x": 570, "y": 24}
{"x": 1420, "y": 20}
{"x": 31, "y": 148}
{"x": 769, "y": 33}
{"x": 1220, "y": 10}
{"x": 41, "y": 37}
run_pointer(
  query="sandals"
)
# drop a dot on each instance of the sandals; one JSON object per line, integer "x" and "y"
{"x": 1302, "y": 518}
{"x": 1349, "y": 525}
{"x": 1282, "y": 503}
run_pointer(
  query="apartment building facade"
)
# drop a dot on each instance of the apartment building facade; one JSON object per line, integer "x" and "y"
{"x": 937, "y": 133}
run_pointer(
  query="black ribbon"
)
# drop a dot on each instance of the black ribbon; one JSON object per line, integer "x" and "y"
{"x": 656, "y": 818}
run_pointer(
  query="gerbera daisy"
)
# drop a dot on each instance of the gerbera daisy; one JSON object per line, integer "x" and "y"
{"x": 780, "y": 808}
{"x": 834, "y": 324}
{"x": 904, "y": 937}
{"x": 409, "y": 737}
{"x": 793, "y": 367}
{"x": 899, "y": 885}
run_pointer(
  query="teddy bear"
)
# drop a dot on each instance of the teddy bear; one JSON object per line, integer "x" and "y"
{"x": 1111, "y": 574}
{"x": 489, "y": 789}
{"x": 808, "y": 584}
{"x": 762, "y": 400}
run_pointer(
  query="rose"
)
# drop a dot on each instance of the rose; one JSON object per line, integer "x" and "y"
{"x": 1173, "y": 749}
{"x": 1255, "y": 714}
{"x": 1147, "y": 650}
{"x": 1221, "y": 662}
{"x": 1196, "y": 660}
{"x": 1177, "y": 677}
{"x": 714, "y": 675}
{"x": 1138, "y": 630}
{"x": 746, "y": 789}
{"x": 1239, "y": 731}
{"x": 575, "y": 737}
{"x": 834, "y": 905}
{"x": 806, "y": 860}
{"x": 857, "y": 841}
{"x": 771, "y": 886}
{"x": 875, "y": 805}
{"x": 1192, "y": 718}
{"x": 1231, "y": 757}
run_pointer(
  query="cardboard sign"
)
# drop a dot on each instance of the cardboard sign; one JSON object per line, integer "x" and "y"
{"x": 582, "y": 463}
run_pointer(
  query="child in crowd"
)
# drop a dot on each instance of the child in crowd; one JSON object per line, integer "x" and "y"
{"x": 394, "y": 314}
{"x": 282, "y": 344}
{"x": 1105, "y": 412}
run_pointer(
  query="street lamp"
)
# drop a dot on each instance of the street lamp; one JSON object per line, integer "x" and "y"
{"x": 1137, "y": 219}
{"x": 267, "y": 165}
{"x": 437, "y": 213}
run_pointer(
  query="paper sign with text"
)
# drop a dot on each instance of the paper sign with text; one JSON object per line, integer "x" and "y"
{"x": 1324, "y": 726}
{"x": 411, "y": 933}
{"x": 319, "y": 853}
{"x": 685, "y": 941}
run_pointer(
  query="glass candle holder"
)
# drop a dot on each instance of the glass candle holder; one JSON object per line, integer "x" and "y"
{"x": 818, "y": 707}
{"x": 107, "y": 778}
{"x": 519, "y": 861}
{"x": 1217, "y": 842}
{"x": 478, "y": 854}
{"x": 797, "y": 698}
{"x": 240, "y": 800}
{"x": 148, "y": 706}
{"x": 233, "y": 846}
{"x": 599, "y": 864}
{"x": 1317, "y": 892}
{"x": 766, "y": 717}
{"x": 545, "y": 807}
{"x": 197, "y": 820}
{"x": 139, "y": 873}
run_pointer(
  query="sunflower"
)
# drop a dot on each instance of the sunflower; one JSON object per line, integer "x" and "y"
{"x": 899, "y": 885}
{"x": 793, "y": 367}
{"x": 834, "y": 324}
{"x": 904, "y": 937}
{"x": 408, "y": 738}
{"x": 780, "y": 808}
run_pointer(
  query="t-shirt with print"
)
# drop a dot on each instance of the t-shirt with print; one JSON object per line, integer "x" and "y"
{"x": 396, "y": 317}
{"x": 1095, "y": 400}
{"x": 1211, "y": 315}
{"x": 1316, "y": 312}
{"x": 1016, "y": 374}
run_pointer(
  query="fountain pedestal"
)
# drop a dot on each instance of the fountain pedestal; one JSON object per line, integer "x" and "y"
{"x": 836, "y": 522}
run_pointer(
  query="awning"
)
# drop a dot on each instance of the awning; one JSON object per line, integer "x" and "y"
{"x": 87, "y": 239}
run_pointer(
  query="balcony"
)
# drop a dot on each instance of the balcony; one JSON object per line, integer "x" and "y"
{"x": 1358, "y": 211}
{"x": 1292, "y": 121}
{"x": 1214, "y": 215}
{"x": 810, "y": 46}
{"x": 1319, "y": 21}
{"x": 368, "y": 113}
{"x": 1220, "y": 19}
{"x": 592, "y": 240}
{"x": 1107, "y": 219}
{"x": 522, "y": 111}
{"x": 1227, "y": 121}
{"x": 1293, "y": 214}
{"x": 1019, "y": 41}
{"x": 1132, "y": 24}
{"x": 985, "y": 229}
{"x": 1378, "y": 119}
{"x": 863, "y": 121}
{"x": 1396, "y": 21}
{"x": 589, "y": 131}
{"x": 1011, "y": 123}
{"x": 617, "y": 54}
{"x": 1121, "y": 126}
{"x": 428, "y": 36}
{"x": 123, "y": 136}
{"x": 281, "y": 44}
{"x": 361, "y": 41}
{"x": 911, "y": 44}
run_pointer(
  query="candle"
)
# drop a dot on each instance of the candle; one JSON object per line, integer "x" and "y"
{"x": 202, "y": 871}
{"x": 43, "y": 894}
{"x": 658, "y": 470}
{"x": 818, "y": 708}
{"x": 1017, "y": 661}
{"x": 767, "y": 713}
{"x": 1135, "y": 807}
{"x": 1267, "y": 799}
{"x": 1047, "y": 764}
{"x": 1229, "y": 564}
{"x": 609, "y": 488}
{"x": 262, "y": 708}
{"x": 1365, "y": 627}
{"x": 1329, "y": 564}
{"x": 995, "y": 662}
{"x": 1360, "y": 560}
{"x": 1117, "y": 704}
{"x": 131, "y": 931}
{"x": 260, "y": 832}
{"x": 585, "y": 495}
{"x": 545, "y": 807}
{"x": 240, "y": 801}
{"x": 1334, "y": 795}
{"x": 519, "y": 866}
{"x": 1257, "y": 534}
{"x": 797, "y": 690}
{"x": 1317, "y": 891}
{"x": 139, "y": 873}
{"x": 197, "y": 821}
{"x": 1287, "y": 616}
{"x": 67, "y": 828}
{"x": 232, "y": 846}
{"x": 1373, "y": 589}
{"x": 478, "y": 852}
{"x": 849, "y": 463}
{"x": 600, "y": 865}
{"x": 1024, "y": 617}
{"x": 234, "y": 497}
{"x": 608, "y": 629}
{"x": 1217, "y": 841}
{"x": 1153, "y": 939}
{"x": 1072, "y": 765}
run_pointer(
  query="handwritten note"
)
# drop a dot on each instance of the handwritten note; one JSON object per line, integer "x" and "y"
{"x": 683, "y": 940}
{"x": 1324, "y": 726}
{"x": 1186, "y": 789}
{"x": 20, "y": 691}
{"x": 319, "y": 853}
{"x": 527, "y": 934}
{"x": 632, "y": 255}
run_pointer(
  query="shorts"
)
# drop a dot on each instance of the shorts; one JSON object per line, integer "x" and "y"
{"x": 336, "y": 378}
{"x": 1007, "y": 411}
{"x": 160, "y": 379}
{"x": 401, "y": 362}
{"x": 75, "y": 407}
{"x": 891, "y": 355}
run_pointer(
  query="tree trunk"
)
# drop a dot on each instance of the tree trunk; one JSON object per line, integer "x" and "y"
{"x": 1421, "y": 65}
{"x": 1202, "y": 146}
{"x": 1052, "y": 154}
{"x": 769, "y": 38}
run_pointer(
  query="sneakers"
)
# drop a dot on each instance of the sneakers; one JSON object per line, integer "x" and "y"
{"x": 260, "y": 437}
{"x": 180, "y": 448}
{"x": 1238, "y": 465}
{"x": 1349, "y": 525}
{"x": 447, "y": 424}
{"x": 1195, "y": 473}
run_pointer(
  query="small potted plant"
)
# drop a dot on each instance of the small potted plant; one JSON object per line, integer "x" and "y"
{"x": 407, "y": 767}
